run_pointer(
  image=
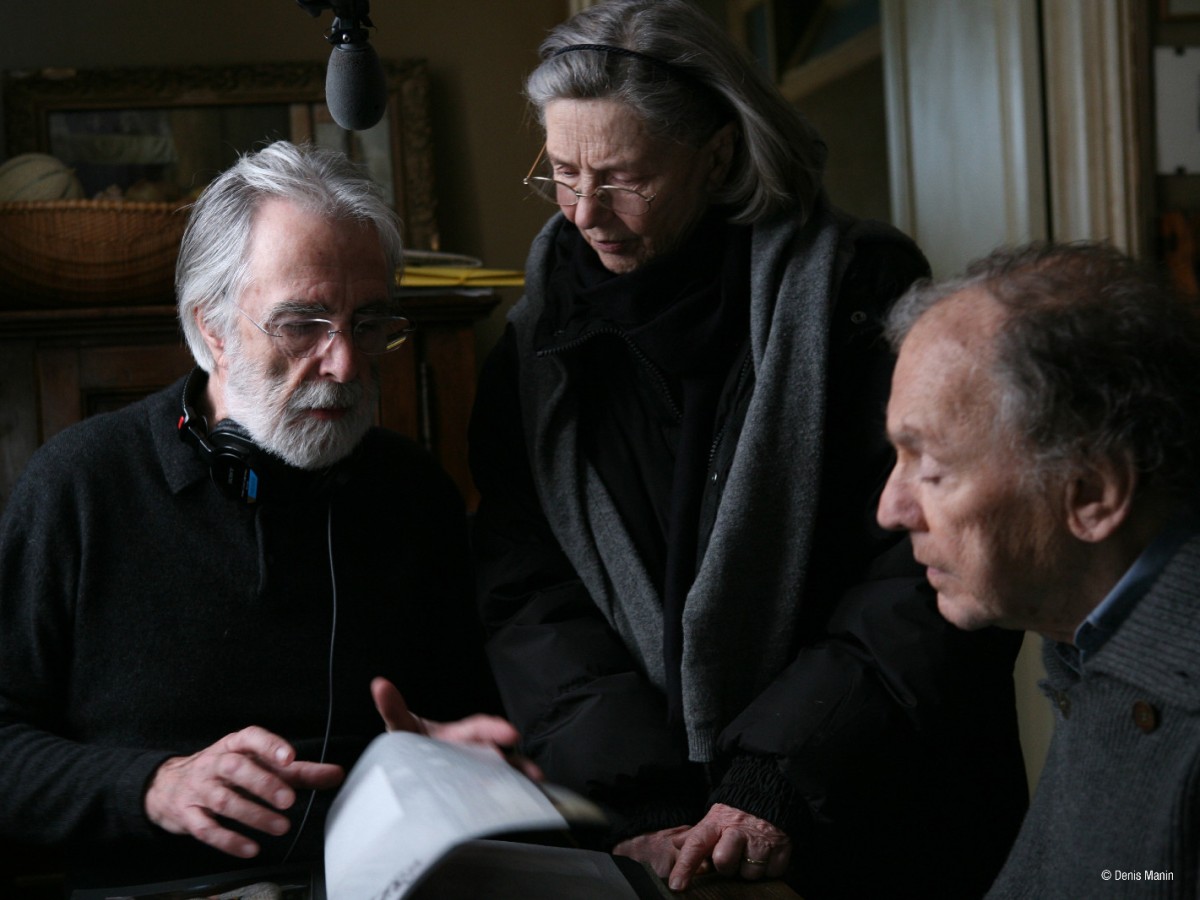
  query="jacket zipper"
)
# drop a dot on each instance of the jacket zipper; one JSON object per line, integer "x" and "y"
{"x": 637, "y": 351}
{"x": 720, "y": 433}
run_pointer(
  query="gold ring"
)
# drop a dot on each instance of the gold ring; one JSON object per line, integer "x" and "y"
{"x": 755, "y": 862}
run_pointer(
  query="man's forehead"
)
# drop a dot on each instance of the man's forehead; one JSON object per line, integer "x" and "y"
{"x": 971, "y": 316}
{"x": 955, "y": 338}
{"x": 943, "y": 382}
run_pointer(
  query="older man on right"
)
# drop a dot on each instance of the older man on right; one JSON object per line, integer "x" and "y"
{"x": 1045, "y": 411}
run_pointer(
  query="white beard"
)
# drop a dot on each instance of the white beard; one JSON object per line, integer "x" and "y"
{"x": 259, "y": 401}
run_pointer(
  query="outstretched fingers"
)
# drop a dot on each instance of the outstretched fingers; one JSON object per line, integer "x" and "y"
{"x": 479, "y": 730}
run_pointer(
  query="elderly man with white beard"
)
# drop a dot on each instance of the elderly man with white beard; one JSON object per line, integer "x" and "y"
{"x": 211, "y": 600}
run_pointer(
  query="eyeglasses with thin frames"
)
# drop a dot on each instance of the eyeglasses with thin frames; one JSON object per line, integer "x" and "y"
{"x": 625, "y": 201}
{"x": 300, "y": 338}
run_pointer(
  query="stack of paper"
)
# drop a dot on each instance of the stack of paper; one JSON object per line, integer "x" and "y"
{"x": 414, "y": 818}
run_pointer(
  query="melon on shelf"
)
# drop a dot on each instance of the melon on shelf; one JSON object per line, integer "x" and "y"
{"x": 38, "y": 176}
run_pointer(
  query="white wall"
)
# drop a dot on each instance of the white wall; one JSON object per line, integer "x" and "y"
{"x": 965, "y": 135}
{"x": 967, "y": 173}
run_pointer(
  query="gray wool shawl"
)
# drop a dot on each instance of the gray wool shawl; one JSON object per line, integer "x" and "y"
{"x": 741, "y": 616}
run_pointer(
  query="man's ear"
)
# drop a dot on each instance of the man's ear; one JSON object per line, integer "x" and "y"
{"x": 214, "y": 339}
{"x": 1100, "y": 497}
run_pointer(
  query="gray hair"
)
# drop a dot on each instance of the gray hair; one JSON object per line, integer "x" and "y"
{"x": 213, "y": 264}
{"x": 1096, "y": 359}
{"x": 695, "y": 80}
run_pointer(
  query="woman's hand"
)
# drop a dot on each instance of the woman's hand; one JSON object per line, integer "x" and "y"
{"x": 737, "y": 843}
{"x": 480, "y": 730}
{"x": 656, "y": 849}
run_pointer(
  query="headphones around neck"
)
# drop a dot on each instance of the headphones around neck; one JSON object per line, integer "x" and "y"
{"x": 243, "y": 470}
{"x": 235, "y": 463}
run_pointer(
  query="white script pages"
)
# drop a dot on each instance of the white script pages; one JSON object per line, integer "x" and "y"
{"x": 410, "y": 801}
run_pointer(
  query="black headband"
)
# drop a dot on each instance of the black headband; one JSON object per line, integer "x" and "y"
{"x": 623, "y": 51}
{"x": 687, "y": 76}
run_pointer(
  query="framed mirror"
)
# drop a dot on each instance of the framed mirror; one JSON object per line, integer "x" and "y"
{"x": 163, "y": 133}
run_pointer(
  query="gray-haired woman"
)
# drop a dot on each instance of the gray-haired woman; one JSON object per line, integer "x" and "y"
{"x": 679, "y": 446}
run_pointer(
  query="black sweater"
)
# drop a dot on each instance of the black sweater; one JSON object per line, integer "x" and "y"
{"x": 145, "y": 615}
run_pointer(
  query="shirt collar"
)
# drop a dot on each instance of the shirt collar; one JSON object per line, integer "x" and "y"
{"x": 1114, "y": 609}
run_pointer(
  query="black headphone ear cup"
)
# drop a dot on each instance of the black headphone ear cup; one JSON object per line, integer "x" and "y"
{"x": 228, "y": 450}
{"x": 234, "y": 461}
{"x": 238, "y": 466}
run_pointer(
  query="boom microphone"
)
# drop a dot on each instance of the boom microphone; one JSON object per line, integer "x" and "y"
{"x": 355, "y": 83}
{"x": 355, "y": 86}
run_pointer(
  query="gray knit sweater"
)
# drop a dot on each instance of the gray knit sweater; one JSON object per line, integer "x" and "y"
{"x": 1115, "y": 813}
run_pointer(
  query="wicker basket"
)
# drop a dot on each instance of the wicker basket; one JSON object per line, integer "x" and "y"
{"x": 79, "y": 252}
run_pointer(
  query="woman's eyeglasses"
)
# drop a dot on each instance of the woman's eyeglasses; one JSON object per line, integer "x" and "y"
{"x": 625, "y": 201}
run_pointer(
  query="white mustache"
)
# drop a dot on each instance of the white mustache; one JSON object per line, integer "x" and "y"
{"x": 325, "y": 395}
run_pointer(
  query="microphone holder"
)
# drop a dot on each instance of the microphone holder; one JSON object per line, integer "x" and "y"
{"x": 351, "y": 19}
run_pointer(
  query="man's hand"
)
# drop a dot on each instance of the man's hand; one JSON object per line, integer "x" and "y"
{"x": 736, "y": 842}
{"x": 656, "y": 849}
{"x": 245, "y": 777}
{"x": 483, "y": 731}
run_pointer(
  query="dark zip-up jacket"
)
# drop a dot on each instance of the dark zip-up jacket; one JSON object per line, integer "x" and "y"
{"x": 843, "y": 709}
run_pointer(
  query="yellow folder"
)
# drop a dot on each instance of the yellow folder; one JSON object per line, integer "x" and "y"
{"x": 455, "y": 276}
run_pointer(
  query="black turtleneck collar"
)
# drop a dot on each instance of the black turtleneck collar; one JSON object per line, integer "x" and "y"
{"x": 686, "y": 309}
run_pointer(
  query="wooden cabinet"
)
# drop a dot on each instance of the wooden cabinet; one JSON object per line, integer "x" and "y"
{"x": 58, "y": 366}
{"x": 427, "y": 393}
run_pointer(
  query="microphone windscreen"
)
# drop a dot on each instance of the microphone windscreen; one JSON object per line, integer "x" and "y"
{"x": 355, "y": 86}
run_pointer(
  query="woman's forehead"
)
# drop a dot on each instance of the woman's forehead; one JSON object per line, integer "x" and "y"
{"x": 601, "y": 133}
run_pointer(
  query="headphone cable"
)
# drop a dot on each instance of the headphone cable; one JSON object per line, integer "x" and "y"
{"x": 329, "y": 711}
